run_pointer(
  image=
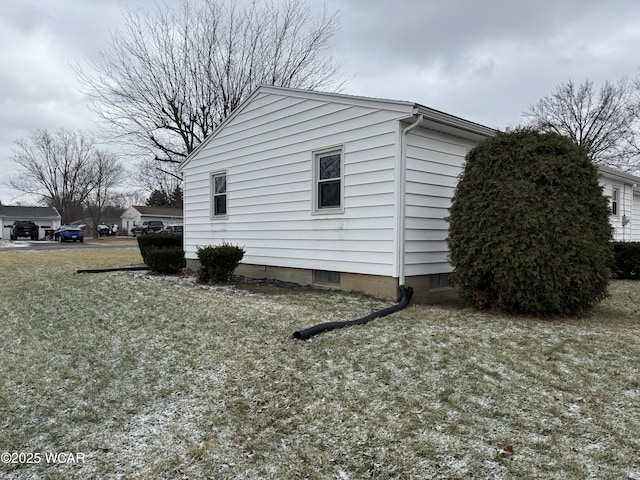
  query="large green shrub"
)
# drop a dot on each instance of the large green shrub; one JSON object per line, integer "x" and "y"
{"x": 626, "y": 260}
{"x": 158, "y": 240}
{"x": 529, "y": 226}
{"x": 217, "y": 263}
{"x": 165, "y": 259}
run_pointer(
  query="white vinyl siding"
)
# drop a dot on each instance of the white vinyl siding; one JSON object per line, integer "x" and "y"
{"x": 635, "y": 217}
{"x": 267, "y": 150}
{"x": 620, "y": 195}
{"x": 434, "y": 162}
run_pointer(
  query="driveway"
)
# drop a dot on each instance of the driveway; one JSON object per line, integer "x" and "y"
{"x": 51, "y": 245}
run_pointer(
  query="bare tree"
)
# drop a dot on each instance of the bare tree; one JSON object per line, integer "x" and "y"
{"x": 66, "y": 170}
{"x": 152, "y": 178}
{"x": 603, "y": 123}
{"x": 107, "y": 175}
{"x": 57, "y": 167}
{"x": 172, "y": 76}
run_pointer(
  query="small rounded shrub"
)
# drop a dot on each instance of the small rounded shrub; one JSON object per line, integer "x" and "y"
{"x": 217, "y": 263}
{"x": 157, "y": 240}
{"x": 168, "y": 260}
{"x": 529, "y": 226}
{"x": 626, "y": 260}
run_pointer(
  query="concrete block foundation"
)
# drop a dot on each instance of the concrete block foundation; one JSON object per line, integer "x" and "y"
{"x": 375, "y": 285}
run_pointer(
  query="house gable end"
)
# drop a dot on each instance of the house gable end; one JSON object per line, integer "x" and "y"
{"x": 263, "y": 95}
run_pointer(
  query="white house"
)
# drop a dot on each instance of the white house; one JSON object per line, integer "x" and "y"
{"x": 47, "y": 218}
{"x": 330, "y": 189}
{"x": 344, "y": 191}
{"x": 623, "y": 191}
{"x": 137, "y": 214}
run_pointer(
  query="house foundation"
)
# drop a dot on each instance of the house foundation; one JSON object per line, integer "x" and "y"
{"x": 426, "y": 288}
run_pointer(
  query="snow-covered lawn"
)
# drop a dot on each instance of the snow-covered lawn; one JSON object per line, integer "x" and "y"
{"x": 134, "y": 376}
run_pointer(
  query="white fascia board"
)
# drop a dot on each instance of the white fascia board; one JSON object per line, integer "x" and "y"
{"x": 453, "y": 125}
{"x": 620, "y": 176}
{"x": 380, "y": 103}
{"x": 433, "y": 118}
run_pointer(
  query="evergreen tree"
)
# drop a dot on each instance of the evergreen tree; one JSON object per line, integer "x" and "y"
{"x": 158, "y": 198}
{"x": 529, "y": 226}
{"x": 176, "y": 197}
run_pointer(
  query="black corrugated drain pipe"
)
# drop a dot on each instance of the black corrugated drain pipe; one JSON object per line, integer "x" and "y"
{"x": 133, "y": 268}
{"x": 405, "y": 299}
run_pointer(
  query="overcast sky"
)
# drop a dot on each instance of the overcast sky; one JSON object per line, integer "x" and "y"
{"x": 483, "y": 60}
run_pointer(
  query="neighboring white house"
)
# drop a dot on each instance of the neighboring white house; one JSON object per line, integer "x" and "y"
{"x": 623, "y": 191}
{"x": 47, "y": 218}
{"x": 137, "y": 214}
{"x": 330, "y": 189}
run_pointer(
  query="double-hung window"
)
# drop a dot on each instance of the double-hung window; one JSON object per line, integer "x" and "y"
{"x": 328, "y": 181}
{"x": 218, "y": 195}
{"x": 615, "y": 193}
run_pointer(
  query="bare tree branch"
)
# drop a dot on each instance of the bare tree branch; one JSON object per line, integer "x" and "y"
{"x": 107, "y": 175}
{"x": 152, "y": 177}
{"x": 173, "y": 75}
{"x": 65, "y": 169}
{"x": 606, "y": 124}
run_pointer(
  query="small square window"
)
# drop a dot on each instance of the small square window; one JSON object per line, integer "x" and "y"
{"x": 328, "y": 180}
{"x": 219, "y": 194}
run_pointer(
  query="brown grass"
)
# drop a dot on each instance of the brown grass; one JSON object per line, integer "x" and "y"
{"x": 155, "y": 377}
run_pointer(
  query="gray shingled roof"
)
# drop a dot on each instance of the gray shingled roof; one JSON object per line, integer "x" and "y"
{"x": 159, "y": 211}
{"x": 26, "y": 213}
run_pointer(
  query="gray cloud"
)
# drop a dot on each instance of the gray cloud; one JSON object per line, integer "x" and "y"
{"x": 483, "y": 60}
{"x": 486, "y": 60}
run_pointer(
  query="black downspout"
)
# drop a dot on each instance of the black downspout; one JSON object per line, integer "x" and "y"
{"x": 406, "y": 294}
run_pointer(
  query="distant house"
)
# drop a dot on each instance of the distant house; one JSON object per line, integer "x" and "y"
{"x": 47, "y": 218}
{"x": 623, "y": 191}
{"x": 137, "y": 214}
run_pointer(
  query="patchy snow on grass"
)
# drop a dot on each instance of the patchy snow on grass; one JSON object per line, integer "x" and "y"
{"x": 156, "y": 377}
{"x": 12, "y": 244}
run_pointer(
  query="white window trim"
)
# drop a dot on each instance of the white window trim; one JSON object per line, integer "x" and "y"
{"x": 212, "y": 190}
{"x": 315, "y": 166}
{"x": 615, "y": 199}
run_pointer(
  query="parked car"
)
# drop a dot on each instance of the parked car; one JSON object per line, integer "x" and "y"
{"x": 24, "y": 228}
{"x": 106, "y": 230}
{"x": 103, "y": 230}
{"x": 150, "y": 226}
{"x": 177, "y": 229}
{"x": 68, "y": 232}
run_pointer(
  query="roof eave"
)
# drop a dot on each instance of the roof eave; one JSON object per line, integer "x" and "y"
{"x": 620, "y": 175}
{"x": 463, "y": 127}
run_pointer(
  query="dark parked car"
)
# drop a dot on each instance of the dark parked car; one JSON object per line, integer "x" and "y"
{"x": 68, "y": 232}
{"x": 24, "y": 228}
{"x": 150, "y": 226}
{"x": 173, "y": 229}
